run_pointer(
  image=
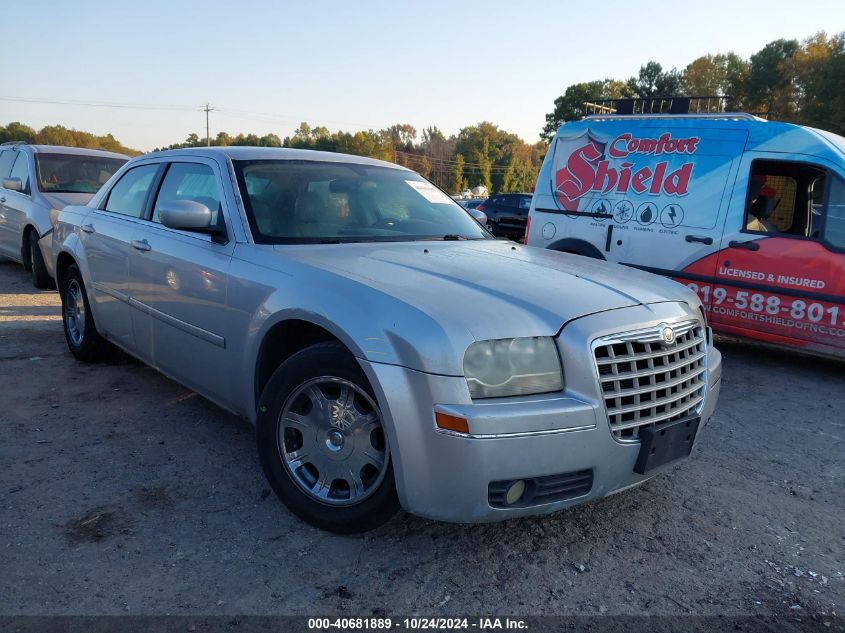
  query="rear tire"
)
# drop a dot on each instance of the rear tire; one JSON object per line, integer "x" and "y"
{"x": 322, "y": 443}
{"x": 38, "y": 269}
{"x": 81, "y": 334}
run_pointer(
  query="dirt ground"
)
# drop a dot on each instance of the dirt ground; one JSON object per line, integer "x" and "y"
{"x": 123, "y": 493}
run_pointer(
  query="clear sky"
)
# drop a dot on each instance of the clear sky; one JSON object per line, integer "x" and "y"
{"x": 354, "y": 65}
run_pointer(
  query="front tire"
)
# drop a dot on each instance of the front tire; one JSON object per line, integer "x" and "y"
{"x": 322, "y": 442}
{"x": 81, "y": 334}
{"x": 38, "y": 269}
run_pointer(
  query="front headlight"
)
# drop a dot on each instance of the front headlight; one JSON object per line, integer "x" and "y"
{"x": 512, "y": 367}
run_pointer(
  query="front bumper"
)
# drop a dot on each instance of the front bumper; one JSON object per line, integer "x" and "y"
{"x": 445, "y": 476}
{"x": 508, "y": 226}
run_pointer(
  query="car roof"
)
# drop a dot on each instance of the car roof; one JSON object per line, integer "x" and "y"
{"x": 63, "y": 149}
{"x": 273, "y": 153}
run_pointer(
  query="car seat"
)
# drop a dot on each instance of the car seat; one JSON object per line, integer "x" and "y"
{"x": 310, "y": 215}
{"x": 759, "y": 209}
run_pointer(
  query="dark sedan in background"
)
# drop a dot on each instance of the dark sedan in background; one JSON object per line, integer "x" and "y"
{"x": 507, "y": 214}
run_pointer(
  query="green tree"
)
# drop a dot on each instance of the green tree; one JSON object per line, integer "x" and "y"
{"x": 424, "y": 167}
{"x": 270, "y": 140}
{"x": 458, "y": 182}
{"x": 402, "y": 136}
{"x": 736, "y": 80}
{"x": 706, "y": 75}
{"x": 60, "y": 135}
{"x": 771, "y": 86}
{"x": 652, "y": 81}
{"x": 818, "y": 71}
{"x": 570, "y": 105}
{"x": 303, "y": 132}
{"x": 17, "y": 131}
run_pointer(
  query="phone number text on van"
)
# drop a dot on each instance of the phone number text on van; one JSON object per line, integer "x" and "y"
{"x": 818, "y": 317}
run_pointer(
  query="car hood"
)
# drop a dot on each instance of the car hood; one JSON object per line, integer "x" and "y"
{"x": 61, "y": 200}
{"x": 491, "y": 288}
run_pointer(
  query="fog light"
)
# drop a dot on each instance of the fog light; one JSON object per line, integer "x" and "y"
{"x": 515, "y": 492}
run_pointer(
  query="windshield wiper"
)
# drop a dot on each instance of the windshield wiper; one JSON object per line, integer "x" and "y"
{"x": 451, "y": 237}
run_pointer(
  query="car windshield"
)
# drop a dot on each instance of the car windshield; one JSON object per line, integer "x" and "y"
{"x": 74, "y": 173}
{"x": 295, "y": 201}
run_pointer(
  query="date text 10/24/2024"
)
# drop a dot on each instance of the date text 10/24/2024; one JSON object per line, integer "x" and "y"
{"x": 417, "y": 623}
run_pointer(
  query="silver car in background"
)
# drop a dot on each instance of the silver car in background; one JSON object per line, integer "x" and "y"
{"x": 36, "y": 182}
{"x": 389, "y": 350}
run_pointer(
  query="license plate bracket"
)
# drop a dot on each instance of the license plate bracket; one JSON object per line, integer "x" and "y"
{"x": 664, "y": 444}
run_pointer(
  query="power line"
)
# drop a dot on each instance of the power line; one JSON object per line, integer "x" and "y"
{"x": 266, "y": 117}
{"x": 101, "y": 104}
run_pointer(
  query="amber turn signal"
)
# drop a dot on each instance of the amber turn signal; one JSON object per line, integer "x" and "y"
{"x": 451, "y": 422}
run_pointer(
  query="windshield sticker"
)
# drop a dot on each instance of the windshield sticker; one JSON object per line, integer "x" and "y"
{"x": 429, "y": 192}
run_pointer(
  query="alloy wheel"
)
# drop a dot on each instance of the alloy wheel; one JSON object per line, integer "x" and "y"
{"x": 75, "y": 312}
{"x": 331, "y": 439}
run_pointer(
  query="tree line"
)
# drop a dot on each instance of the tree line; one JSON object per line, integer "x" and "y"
{"x": 60, "y": 135}
{"x": 797, "y": 81}
{"x": 788, "y": 80}
{"x": 478, "y": 155}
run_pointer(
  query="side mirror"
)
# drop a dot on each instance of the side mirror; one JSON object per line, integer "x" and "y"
{"x": 479, "y": 216}
{"x": 12, "y": 184}
{"x": 186, "y": 215}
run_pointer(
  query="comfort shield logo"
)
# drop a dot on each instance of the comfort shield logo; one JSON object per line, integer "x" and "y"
{"x": 586, "y": 166}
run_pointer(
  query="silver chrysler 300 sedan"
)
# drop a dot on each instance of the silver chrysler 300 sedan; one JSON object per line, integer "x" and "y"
{"x": 388, "y": 349}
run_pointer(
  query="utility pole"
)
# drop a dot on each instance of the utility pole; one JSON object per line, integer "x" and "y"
{"x": 208, "y": 109}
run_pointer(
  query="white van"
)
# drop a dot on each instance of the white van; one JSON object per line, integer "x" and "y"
{"x": 747, "y": 212}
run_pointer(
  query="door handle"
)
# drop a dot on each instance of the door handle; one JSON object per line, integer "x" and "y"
{"x": 750, "y": 246}
{"x": 88, "y": 228}
{"x": 699, "y": 238}
{"x": 141, "y": 245}
{"x": 3, "y": 199}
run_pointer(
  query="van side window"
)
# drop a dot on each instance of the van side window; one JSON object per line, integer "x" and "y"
{"x": 782, "y": 198}
{"x": 834, "y": 222}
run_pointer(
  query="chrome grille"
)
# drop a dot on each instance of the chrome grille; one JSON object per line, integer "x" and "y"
{"x": 646, "y": 381}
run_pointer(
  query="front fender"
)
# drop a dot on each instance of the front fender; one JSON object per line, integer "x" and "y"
{"x": 374, "y": 326}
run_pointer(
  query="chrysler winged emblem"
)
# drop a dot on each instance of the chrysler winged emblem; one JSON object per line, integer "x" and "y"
{"x": 668, "y": 335}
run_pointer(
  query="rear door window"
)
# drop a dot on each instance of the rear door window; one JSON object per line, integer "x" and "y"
{"x": 129, "y": 195}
